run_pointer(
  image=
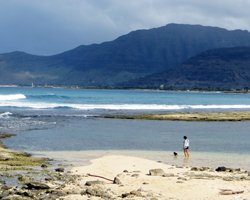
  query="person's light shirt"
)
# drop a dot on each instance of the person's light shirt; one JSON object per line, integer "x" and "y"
{"x": 186, "y": 143}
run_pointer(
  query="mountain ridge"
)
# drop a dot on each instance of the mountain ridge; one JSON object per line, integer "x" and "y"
{"x": 215, "y": 69}
{"x": 128, "y": 57}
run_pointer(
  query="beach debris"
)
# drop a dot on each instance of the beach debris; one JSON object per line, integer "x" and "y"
{"x": 156, "y": 172}
{"x": 102, "y": 177}
{"x": 230, "y": 192}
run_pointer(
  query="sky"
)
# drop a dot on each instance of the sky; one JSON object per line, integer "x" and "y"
{"x": 48, "y": 27}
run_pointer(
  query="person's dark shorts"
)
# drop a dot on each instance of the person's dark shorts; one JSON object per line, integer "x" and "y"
{"x": 186, "y": 147}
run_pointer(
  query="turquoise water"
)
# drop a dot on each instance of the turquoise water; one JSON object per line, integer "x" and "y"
{"x": 64, "y": 119}
{"x": 58, "y": 98}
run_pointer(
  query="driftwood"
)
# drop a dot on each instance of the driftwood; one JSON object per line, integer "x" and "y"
{"x": 230, "y": 192}
{"x": 100, "y": 177}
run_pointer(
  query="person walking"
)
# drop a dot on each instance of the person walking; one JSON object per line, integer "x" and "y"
{"x": 186, "y": 146}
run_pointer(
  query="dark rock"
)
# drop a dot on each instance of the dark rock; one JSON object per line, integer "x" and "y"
{"x": 168, "y": 175}
{"x": 58, "y": 193}
{"x": 194, "y": 169}
{"x": 125, "y": 171}
{"x": 59, "y": 169}
{"x": 48, "y": 179}
{"x": 124, "y": 195}
{"x": 24, "y": 193}
{"x": 92, "y": 183}
{"x": 36, "y": 186}
{"x": 134, "y": 193}
{"x": 117, "y": 181}
{"x": 182, "y": 178}
{"x": 200, "y": 169}
{"x": 221, "y": 169}
{"x": 98, "y": 192}
{"x": 44, "y": 166}
{"x": 156, "y": 172}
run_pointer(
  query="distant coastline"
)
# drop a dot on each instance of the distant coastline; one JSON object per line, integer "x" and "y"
{"x": 126, "y": 88}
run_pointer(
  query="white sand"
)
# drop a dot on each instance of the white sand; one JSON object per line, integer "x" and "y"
{"x": 80, "y": 158}
{"x": 182, "y": 186}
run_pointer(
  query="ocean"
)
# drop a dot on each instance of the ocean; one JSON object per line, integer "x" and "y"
{"x": 60, "y": 119}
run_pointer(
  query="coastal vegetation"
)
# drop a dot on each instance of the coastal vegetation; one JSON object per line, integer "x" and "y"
{"x": 189, "y": 116}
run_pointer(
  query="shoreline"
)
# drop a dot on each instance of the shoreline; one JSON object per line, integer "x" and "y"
{"x": 233, "y": 91}
{"x": 197, "y": 159}
{"x": 141, "y": 175}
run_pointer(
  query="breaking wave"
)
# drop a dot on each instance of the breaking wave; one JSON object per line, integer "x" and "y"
{"x": 44, "y": 105}
{"x": 9, "y": 97}
{"x": 5, "y": 114}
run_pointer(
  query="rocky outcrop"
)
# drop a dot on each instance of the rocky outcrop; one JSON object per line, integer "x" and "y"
{"x": 156, "y": 172}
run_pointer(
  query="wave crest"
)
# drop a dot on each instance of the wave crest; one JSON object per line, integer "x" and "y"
{"x": 5, "y": 115}
{"x": 9, "y": 97}
{"x": 44, "y": 105}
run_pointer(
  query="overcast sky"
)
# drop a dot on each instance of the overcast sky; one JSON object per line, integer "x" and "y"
{"x": 47, "y": 27}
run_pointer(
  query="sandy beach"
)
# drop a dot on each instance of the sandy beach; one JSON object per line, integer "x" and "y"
{"x": 197, "y": 159}
{"x": 172, "y": 182}
{"x": 91, "y": 175}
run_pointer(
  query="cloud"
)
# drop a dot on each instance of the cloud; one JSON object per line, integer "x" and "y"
{"x": 53, "y": 26}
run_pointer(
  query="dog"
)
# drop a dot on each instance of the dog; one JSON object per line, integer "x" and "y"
{"x": 175, "y": 154}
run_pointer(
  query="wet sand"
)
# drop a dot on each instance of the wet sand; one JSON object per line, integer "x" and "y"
{"x": 208, "y": 159}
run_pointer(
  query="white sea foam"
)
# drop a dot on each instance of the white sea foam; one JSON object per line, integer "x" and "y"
{"x": 8, "y": 97}
{"x": 44, "y": 105}
{"x": 5, "y": 115}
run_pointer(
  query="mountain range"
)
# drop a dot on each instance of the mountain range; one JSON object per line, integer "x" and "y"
{"x": 166, "y": 57}
{"x": 225, "y": 69}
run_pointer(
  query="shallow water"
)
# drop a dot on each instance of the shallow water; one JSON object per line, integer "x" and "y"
{"x": 108, "y": 134}
{"x": 56, "y": 119}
